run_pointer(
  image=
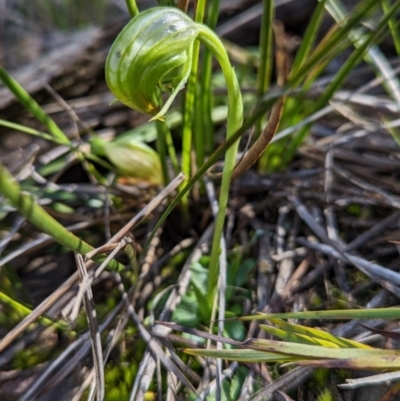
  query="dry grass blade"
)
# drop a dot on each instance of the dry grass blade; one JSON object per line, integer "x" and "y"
{"x": 93, "y": 327}
{"x": 78, "y": 349}
{"x": 269, "y": 131}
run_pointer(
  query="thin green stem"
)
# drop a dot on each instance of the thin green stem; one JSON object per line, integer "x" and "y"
{"x": 310, "y": 35}
{"x": 206, "y": 95}
{"x": 393, "y": 26}
{"x": 171, "y": 150}
{"x": 162, "y": 149}
{"x": 132, "y": 8}
{"x": 266, "y": 53}
{"x": 22, "y": 310}
{"x": 188, "y": 111}
{"x": 30, "y": 131}
{"x": 235, "y": 119}
{"x": 377, "y": 313}
{"x": 30, "y": 104}
{"x": 38, "y": 217}
{"x": 265, "y": 104}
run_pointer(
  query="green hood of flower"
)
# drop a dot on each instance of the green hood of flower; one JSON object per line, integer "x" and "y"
{"x": 152, "y": 52}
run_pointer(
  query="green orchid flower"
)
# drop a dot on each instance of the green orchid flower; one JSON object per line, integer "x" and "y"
{"x": 152, "y": 53}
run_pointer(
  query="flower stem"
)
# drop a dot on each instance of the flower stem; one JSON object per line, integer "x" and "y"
{"x": 235, "y": 119}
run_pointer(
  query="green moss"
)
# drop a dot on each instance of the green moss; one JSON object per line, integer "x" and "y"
{"x": 31, "y": 356}
{"x": 326, "y": 395}
{"x": 321, "y": 375}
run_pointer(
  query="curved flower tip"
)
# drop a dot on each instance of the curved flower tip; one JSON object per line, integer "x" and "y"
{"x": 153, "y": 52}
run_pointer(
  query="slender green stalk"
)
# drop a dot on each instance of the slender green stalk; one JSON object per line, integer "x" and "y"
{"x": 235, "y": 119}
{"x": 162, "y": 149}
{"x": 393, "y": 26}
{"x": 205, "y": 96}
{"x": 30, "y": 131}
{"x": 22, "y": 310}
{"x": 264, "y": 105}
{"x": 266, "y": 53}
{"x": 38, "y": 217}
{"x": 377, "y": 313}
{"x": 308, "y": 41}
{"x": 132, "y": 7}
{"x": 171, "y": 149}
{"x": 293, "y": 107}
{"x": 266, "y": 60}
{"x": 188, "y": 111}
{"x": 333, "y": 41}
{"x": 30, "y": 104}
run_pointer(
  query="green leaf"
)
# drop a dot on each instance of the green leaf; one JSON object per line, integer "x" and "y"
{"x": 316, "y": 334}
{"x": 240, "y": 355}
{"x": 315, "y": 351}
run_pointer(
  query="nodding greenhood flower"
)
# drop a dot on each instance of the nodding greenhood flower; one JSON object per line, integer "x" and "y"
{"x": 153, "y": 52}
{"x": 135, "y": 161}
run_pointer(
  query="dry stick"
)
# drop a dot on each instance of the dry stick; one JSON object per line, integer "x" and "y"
{"x": 183, "y": 5}
{"x": 378, "y": 273}
{"x": 226, "y": 374}
{"x": 393, "y": 200}
{"x": 113, "y": 342}
{"x": 272, "y": 126}
{"x": 222, "y": 282}
{"x": 152, "y": 344}
{"x": 147, "y": 365}
{"x": 373, "y": 231}
{"x": 383, "y": 276}
{"x": 19, "y": 221}
{"x": 93, "y": 327}
{"x": 81, "y": 342}
{"x": 331, "y": 221}
{"x": 265, "y": 265}
{"x": 50, "y": 300}
{"x": 286, "y": 382}
{"x": 380, "y": 300}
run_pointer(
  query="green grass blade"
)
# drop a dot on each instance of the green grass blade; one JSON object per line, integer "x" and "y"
{"x": 373, "y": 54}
{"x": 316, "y": 351}
{"x": 308, "y": 41}
{"x": 30, "y": 104}
{"x": 317, "y": 334}
{"x": 376, "y": 362}
{"x": 266, "y": 50}
{"x": 206, "y": 94}
{"x": 297, "y": 337}
{"x": 346, "y": 314}
{"x": 266, "y": 53}
{"x": 332, "y": 43}
{"x": 22, "y": 310}
{"x": 38, "y": 217}
{"x": 393, "y": 25}
{"x": 30, "y": 131}
{"x": 162, "y": 148}
{"x": 187, "y": 131}
{"x": 240, "y": 355}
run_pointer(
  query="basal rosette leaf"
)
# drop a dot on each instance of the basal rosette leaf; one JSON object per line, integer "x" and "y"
{"x": 152, "y": 52}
